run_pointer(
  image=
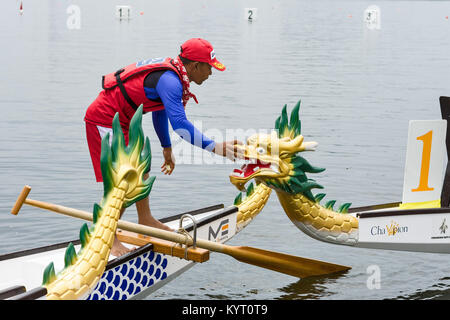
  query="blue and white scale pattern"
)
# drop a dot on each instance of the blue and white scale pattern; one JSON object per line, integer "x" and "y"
{"x": 128, "y": 279}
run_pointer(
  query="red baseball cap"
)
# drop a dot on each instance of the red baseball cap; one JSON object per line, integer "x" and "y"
{"x": 197, "y": 49}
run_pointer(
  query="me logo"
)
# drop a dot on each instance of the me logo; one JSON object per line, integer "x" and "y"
{"x": 220, "y": 233}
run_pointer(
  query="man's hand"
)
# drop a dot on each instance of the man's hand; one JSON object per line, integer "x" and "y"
{"x": 169, "y": 161}
{"x": 229, "y": 149}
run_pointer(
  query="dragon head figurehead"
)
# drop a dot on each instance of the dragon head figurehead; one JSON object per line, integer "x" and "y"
{"x": 274, "y": 159}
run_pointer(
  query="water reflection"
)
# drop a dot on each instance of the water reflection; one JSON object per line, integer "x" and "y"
{"x": 439, "y": 291}
{"x": 310, "y": 288}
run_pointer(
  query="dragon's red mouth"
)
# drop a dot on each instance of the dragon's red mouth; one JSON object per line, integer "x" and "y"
{"x": 249, "y": 168}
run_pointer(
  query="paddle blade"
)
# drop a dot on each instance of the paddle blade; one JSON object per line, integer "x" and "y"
{"x": 284, "y": 263}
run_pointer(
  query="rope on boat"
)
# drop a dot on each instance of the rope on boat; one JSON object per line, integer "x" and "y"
{"x": 187, "y": 236}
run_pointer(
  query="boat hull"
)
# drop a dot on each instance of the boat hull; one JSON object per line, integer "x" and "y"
{"x": 134, "y": 275}
{"x": 417, "y": 230}
{"x": 140, "y": 276}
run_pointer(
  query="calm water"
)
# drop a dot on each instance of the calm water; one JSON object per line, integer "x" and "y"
{"x": 359, "y": 88}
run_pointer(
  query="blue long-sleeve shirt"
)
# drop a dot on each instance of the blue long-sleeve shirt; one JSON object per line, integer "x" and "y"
{"x": 165, "y": 86}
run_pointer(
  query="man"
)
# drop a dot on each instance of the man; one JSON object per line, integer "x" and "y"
{"x": 162, "y": 86}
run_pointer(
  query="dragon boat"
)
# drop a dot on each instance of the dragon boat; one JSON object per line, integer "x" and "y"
{"x": 88, "y": 271}
{"x": 274, "y": 162}
{"x": 84, "y": 268}
{"x": 417, "y": 223}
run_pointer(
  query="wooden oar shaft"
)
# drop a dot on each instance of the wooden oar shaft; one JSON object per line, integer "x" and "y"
{"x": 292, "y": 265}
{"x": 121, "y": 224}
{"x": 125, "y": 225}
{"x": 60, "y": 209}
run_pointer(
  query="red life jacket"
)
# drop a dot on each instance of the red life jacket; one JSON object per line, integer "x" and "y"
{"x": 124, "y": 93}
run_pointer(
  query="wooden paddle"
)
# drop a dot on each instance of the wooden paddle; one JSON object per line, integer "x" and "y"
{"x": 280, "y": 262}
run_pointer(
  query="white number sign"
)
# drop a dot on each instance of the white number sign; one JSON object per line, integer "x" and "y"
{"x": 425, "y": 161}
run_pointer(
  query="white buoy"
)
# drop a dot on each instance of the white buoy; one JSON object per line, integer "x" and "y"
{"x": 251, "y": 13}
{"x": 21, "y": 8}
{"x": 372, "y": 17}
{"x": 123, "y": 12}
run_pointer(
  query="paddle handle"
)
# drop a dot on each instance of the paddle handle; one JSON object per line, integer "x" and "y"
{"x": 20, "y": 200}
{"x": 48, "y": 206}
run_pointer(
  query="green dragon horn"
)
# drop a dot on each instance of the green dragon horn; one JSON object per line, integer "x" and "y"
{"x": 85, "y": 235}
{"x": 49, "y": 274}
{"x": 238, "y": 199}
{"x": 343, "y": 208}
{"x": 329, "y": 205}
{"x": 134, "y": 158}
{"x": 97, "y": 212}
{"x": 289, "y": 128}
{"x": 70, "y": 256}
{"x": 295, "y": 125}
{"x": 282, "y": 123}
{"x": 250, "y": 189}
{"x": 318, "y": 197}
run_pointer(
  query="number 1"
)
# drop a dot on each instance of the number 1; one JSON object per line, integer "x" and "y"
{"x": 425, "y": 167}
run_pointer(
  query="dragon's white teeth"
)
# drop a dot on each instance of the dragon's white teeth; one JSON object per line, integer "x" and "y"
{"x": 256, "y": 168}
{"x": 237, "y": 173}
{"x": 274, "y": 168}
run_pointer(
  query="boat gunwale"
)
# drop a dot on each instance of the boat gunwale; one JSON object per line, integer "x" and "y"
{"x": 32, "y": 251}
{"x": 402, "y": 212}
{"x": 193, "y": 213}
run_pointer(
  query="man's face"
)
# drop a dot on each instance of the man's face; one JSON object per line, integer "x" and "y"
{"x": 200, "y": 72}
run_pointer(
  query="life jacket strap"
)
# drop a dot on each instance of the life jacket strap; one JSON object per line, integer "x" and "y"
{"x": 122, "y": 89}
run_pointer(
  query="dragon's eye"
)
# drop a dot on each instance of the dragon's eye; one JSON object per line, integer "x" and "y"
{"x": 261, "y": 150}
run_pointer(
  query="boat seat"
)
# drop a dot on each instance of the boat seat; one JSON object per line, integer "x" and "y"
{"x": 33, "y": 294}
{"x": 11, "y": 291}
